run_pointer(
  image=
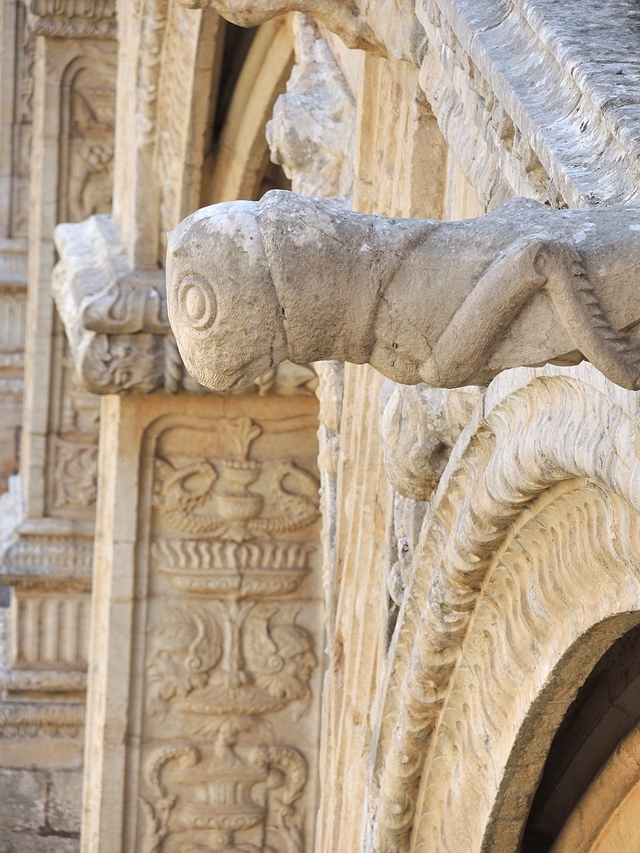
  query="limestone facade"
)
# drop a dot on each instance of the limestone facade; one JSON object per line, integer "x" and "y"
{"x": 326, "y": 611}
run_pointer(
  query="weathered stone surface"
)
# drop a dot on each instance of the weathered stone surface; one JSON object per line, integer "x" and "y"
{"x": 449, "y": 304}
{"x": 23, "y": 801}
{"x": 313, "y": 125}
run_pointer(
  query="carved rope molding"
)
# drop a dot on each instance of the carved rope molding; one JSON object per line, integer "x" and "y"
{"x": 572, "y": 431}
{"x": 92, "y": 19}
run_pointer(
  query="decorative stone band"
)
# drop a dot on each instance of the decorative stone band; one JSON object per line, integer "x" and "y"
{"x": 43, "y": 681}
{"x": 45, "y": 558}
{"x": 577, "y": 426}
{"x": 38, "y": 719}
{"x": 445, "y": 303}
{"x": 248, "y": 570}
{"x": 94, "y": 19}
{"x": 116, "y": 319}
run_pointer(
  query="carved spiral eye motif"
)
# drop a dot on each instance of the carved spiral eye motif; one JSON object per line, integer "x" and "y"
{"x": 197, "y": 302}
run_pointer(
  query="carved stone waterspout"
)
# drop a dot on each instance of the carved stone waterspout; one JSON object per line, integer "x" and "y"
{"x": 447, "y": 303}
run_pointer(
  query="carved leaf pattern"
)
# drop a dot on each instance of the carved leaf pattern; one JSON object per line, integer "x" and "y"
{"x": 190, "y": 646}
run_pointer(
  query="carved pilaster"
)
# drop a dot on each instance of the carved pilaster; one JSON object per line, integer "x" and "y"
{"x": 224, "y": 692}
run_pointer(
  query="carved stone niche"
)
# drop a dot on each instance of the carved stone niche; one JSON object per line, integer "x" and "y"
{"x": 445, "y": 303}
{"x": 224, "y": 673}
{"x": 115, "y": 317}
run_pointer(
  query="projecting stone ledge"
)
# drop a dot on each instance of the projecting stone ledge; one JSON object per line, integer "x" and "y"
{"x": 445, "y": 303}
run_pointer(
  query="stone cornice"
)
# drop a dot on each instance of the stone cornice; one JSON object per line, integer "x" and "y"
{"x": 555, "y": 109}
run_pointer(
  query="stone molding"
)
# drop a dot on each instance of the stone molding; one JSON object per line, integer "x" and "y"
{"x": 47, "y": 559}
{"x": 91, "y": 19}
{"x": 578, "y": 147}
{"x": 37, "y": 719}
{"x": 578, "y": 428}
{"x": 43, "y": 681}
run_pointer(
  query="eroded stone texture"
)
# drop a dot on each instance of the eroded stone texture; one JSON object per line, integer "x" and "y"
{"x": 419, "y": 427}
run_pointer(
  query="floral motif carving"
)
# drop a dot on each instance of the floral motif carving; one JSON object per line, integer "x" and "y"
{"x": 76, "y": 474}
{"x": 230, "y": 662}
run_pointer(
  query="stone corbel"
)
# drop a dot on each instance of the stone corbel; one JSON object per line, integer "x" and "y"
{"x": 445, "y": 303}
{"x": 95, "y": 19}
{"x": 116, "y": 322}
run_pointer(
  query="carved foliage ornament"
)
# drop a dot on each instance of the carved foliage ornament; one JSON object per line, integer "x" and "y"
{"x": 219, "y": 784}
{"x": 445, "y": 303}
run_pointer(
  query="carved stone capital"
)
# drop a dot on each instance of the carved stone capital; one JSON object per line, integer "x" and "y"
{"x": 115, "y": 318}
{"x": 95, "y": 19}
{"x": 445, "y": 303}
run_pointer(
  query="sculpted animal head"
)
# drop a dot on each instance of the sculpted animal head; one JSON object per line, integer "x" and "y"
{"x": 221, "y": 301}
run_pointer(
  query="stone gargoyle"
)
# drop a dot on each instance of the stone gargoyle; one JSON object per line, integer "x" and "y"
{"x": 251, "y": 284}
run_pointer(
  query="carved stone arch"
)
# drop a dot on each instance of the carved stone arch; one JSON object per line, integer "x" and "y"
{"x": 564, "y": 589}
{"x": 243, "y": 151}
{"x": 548, "y": 454}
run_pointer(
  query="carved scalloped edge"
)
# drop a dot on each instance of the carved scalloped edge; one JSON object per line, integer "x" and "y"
{"x": 573, "y": 429}
{"x": 37, "y": 719}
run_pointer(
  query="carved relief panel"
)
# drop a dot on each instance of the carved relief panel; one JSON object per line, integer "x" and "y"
{"x": 231, "y": 669}
{"x": 86, "y": 155}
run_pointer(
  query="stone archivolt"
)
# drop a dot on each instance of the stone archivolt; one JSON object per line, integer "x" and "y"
{"x": 483, "y": 529}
